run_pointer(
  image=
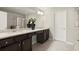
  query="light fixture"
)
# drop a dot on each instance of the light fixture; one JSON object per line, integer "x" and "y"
{"x": 39, "y": 12}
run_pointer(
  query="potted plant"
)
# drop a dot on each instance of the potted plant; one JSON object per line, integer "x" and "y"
{"x": 31, "y": 23}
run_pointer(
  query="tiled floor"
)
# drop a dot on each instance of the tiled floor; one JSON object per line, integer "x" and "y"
{"x": 53, "y": 46}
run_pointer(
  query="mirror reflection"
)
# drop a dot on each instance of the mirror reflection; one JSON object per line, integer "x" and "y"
{"x": 17, "y": 17}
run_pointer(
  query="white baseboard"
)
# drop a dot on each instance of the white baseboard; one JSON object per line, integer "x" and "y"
{"x": 71, "y": 43}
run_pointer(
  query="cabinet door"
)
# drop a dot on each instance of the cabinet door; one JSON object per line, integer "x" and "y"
{"x": 13, "y": 47}
{"x": 27, "y": 44}
{"x": 40, "y": 37}
{"x": 47, "y": 34}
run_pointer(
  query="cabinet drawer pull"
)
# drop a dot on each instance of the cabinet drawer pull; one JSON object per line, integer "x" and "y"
{"x": 23, "y": 42}
{"x": 6, "y": 42}
{"x": 19, "y": 45}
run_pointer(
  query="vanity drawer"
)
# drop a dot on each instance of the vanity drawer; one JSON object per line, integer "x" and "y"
{"x": 6, "y": 42}
{"x": 22, "y": 37}
{"x": 39, "y": 32}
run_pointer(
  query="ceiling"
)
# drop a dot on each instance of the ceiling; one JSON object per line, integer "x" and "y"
{"x": 21, "y": 10}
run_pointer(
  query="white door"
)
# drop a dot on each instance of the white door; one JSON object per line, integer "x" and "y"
{"x": 60, "y": 25}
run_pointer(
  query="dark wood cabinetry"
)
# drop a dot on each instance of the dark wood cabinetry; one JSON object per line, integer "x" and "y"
{"x": 17, "y": 43}
{"x": 46, "y": 33}
{"x": 23, "y": 42}
{"x": 13, "y": 47}
{"x": 42, "y": 36}
{"x": 27, "y": 45}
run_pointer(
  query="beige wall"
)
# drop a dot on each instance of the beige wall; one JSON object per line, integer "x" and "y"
{"x": 39, "y": 22}
{"x": 46, "y": 20}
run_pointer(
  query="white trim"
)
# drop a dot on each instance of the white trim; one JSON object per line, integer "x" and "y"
{"x": 70, "y": 43}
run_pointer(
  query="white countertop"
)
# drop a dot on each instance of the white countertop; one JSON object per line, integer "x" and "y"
{"x": 18, "y": 32}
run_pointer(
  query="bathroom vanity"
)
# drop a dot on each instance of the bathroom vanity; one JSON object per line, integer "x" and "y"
{"x": 19, "y": 39}
{"x": 22, "y": 40}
